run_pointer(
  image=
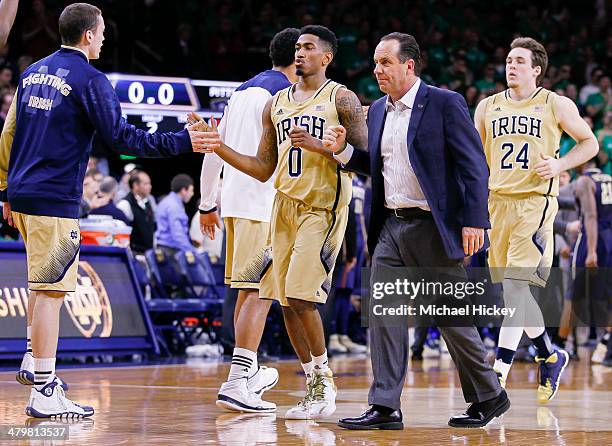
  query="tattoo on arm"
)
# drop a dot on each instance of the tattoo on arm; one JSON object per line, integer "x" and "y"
{"x": 268, "y": 152}
{"x": 352, "y": 119}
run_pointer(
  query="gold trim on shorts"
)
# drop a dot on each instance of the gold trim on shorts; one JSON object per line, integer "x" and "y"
{"x": 305, "y": 243}
{"x": 52, "y": 250}
{"x": 248, "y": 254}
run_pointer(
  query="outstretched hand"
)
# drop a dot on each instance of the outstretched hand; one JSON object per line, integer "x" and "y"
{"x": 205, "y": 137}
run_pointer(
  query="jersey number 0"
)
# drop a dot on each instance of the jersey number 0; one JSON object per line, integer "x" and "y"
{"x": 295, "y": 162}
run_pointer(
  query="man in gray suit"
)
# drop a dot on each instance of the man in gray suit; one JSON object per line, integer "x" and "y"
{"x": 429, "y": 209}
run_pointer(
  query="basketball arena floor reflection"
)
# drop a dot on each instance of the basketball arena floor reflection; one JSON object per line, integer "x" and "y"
{"x": 175, "y": 404}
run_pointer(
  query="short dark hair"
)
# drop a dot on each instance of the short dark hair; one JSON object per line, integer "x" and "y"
{"x": 282, "y": 47}
{"x": 75, "y": 20}
{"x": 408, "y": 49}
{"x": 134, "y": 177}
{"x": 324, "y": 34}
{"x": 181, "y": 181}
{"x": 539, "y": 57}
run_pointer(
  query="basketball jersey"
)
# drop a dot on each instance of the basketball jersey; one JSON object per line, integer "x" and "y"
{"x": 517, "y": 133}
{"x": 303, "y": 175}
{"x": 603, "y": 198}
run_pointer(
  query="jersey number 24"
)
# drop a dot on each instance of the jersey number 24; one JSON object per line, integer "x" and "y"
{"x": 521, "y": 158}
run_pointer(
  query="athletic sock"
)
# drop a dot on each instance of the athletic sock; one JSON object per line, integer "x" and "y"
{"x": 321, "y": 364}
{"x": 308, "y": 368}
{"x": 43, "y": 369}
{"x": 543, "y": 345}
{"x": 243, "y": 361}
{"x": 504, "y": 361}
{"x": 29, "y": 339}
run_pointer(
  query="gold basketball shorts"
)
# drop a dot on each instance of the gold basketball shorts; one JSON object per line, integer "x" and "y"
{"x": 521, "y": 237}
{"x": 52, "y": 250}
{"x": 305, "y": 242}
{"x": 247, "y": 254}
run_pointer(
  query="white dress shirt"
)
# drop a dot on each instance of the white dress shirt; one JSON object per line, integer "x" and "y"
{"x": 402, "y": 189}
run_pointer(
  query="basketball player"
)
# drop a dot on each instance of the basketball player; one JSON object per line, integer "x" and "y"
{"x": 60, "y": 102}
{"x": 310, "y": 209}
{"x": 593, "y": 247}
{"x": 520, "y": 130}
{"x": 246, "y": 205}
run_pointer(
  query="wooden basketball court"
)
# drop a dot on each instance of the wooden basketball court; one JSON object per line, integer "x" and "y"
{"x": 175, "y": 405}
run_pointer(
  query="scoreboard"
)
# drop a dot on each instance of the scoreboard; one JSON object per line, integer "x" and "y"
{"x": 156, "y": 103}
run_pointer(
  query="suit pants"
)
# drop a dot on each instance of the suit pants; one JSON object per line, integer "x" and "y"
{"x": 416, "y": 243}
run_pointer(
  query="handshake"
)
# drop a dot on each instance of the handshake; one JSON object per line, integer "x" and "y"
{"x": 205, "y": 137}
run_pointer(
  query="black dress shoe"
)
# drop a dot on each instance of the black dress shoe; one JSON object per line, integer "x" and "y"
{"x": 374, "y": 418}
{"x": 479, "y": 414}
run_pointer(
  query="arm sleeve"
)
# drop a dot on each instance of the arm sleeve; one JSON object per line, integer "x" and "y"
{"x": 103, "y": 109}
{"x": 124, "y": 206}
{"x": 6, "y": 141}
{"x": 465, "y": 146}
{"x": 359, "y": 161}
{"x": 212, "y": 165}
{"x": 209, "y": 180}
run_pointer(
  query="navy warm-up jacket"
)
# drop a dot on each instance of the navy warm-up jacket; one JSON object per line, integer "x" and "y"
{"x": 61, "y": 101}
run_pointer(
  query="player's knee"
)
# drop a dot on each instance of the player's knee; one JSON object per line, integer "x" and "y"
{"x": 300, "y": 306}
{"x": 51, "y": 294}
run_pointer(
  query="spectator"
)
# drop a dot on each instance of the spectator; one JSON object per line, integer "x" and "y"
{"x": 471, "y": 98}
{"x": 604, "y": 137}
{"x": 172, "y": 232}
{"x": 91, "y": 185}
{"x": 105, "y": 204}
{"x": 562, "y": 79}
{"x": 458, "y": 75}
{"x": 358, "y": 63}
{"x": 5, "y": 102}
{"x": 592, "y": 87}
{"x": 6, "y": 77}
{"x": 124, "y": 187}
{"x": 597, "y": 103}
{"x": 140, "y": 211}
{"x": 487, "y": 83}
{"x": 24, "y": 62}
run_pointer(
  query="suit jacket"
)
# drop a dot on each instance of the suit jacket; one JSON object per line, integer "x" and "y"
{"x": 446, "y": 154}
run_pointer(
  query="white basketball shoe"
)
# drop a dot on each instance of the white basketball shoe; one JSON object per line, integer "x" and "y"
{"x": 264, "y": 379}
{"x": 320, "y": 399}
{"x": 51, "y": 402}
{"x": 236, "y": 396}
